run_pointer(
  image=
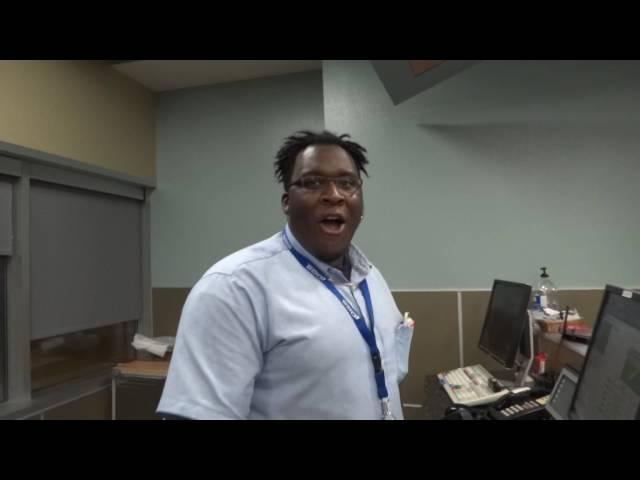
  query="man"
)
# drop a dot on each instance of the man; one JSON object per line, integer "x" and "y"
{"x": 282, "y": 329}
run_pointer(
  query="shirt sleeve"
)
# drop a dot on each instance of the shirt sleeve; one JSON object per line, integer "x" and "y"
{"x": 217, "y": 354}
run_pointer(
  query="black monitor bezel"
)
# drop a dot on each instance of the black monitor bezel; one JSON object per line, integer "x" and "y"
{"x": 608, "y": 290}
{"x": 509, "y": 362}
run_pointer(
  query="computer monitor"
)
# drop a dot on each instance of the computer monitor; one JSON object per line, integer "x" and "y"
{"x": 609, "y": 383}
{"x": 561, "y": 395}
{"x": 507, "y": 333}
{"x": 525, "y": 354}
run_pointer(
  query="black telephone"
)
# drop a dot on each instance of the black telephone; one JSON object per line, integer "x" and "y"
{"x": 521, "y": 409}
{"x": 529, "y": 405}
{"x": 463, "y": 412}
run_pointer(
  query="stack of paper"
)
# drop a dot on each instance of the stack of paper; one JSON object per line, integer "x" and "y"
{"x": 158, "y": 346}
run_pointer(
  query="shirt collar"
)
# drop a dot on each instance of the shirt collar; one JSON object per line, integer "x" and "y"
{"x": 360, "y": 265}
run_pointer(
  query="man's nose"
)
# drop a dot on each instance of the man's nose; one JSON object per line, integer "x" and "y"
{"x": 331, "y": 193}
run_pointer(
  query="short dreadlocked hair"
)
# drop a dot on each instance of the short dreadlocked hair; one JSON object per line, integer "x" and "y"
{"x": 296, "y": 143}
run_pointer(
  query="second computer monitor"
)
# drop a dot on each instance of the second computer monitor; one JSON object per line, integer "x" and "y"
{"x": 609, "y": 384}
{"x": 505, "y": 321}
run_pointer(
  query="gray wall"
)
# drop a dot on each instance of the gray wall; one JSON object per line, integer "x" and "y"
{"x": 506, "y": 167}
{"x": 216, "y": 191}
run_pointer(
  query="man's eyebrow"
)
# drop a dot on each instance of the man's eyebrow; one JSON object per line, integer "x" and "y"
{"x": 340, "y": 173}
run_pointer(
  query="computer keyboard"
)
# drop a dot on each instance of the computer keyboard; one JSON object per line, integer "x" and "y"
{"x": 470, "y": 386}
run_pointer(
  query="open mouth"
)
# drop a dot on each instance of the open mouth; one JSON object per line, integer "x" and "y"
{"x": 333, "y": 224}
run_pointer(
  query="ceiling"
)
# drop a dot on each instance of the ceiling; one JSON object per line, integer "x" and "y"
{"x": 165, "y": 75}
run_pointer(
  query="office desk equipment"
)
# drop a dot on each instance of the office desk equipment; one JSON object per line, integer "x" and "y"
{"x": 554, "y": 406}
{"x": 561, "y": 352}
{"x": 562, "y": 394}
{"x": 507, "y": 337}
{"x": 470, "y": 386}
{"x": 531, "y": 409}
{"x": 436, "y": 399}
{"x": 136, "y": 389}
{"x": 609, "y": 384}
{"x": 437, "y": 402}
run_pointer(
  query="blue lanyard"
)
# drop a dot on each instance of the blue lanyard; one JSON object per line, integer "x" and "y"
{"x": 369, "y": 336}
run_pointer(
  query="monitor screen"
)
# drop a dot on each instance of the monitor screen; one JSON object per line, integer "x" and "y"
{"x": 560, "y": 401}
{"x": 505, "y": 321}
{"x": 609, "y": 385}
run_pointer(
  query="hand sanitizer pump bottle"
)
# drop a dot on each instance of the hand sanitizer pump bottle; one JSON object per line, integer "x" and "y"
{"x": 545, "y": 295}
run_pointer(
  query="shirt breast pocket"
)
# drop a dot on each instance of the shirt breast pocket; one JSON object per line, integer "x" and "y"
{"x": 396, "y": 340}
{"x": 403, "y": 337}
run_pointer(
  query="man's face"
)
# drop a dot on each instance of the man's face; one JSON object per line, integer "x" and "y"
{"x": 325, "y": 220}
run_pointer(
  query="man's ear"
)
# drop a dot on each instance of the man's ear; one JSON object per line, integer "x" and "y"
{"x": 284, "y": 201}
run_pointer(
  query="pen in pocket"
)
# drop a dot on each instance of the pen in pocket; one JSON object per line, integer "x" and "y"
{"x": 407, "y": 321}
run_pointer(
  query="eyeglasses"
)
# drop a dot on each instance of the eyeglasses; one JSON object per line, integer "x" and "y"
{"x": 346, "y": 185}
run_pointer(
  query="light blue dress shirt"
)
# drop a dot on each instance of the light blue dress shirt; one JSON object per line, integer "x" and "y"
{"x": 262, "y": 338}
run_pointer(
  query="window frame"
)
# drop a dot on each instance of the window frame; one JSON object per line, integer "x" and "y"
{"x": 20, "y": 166}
